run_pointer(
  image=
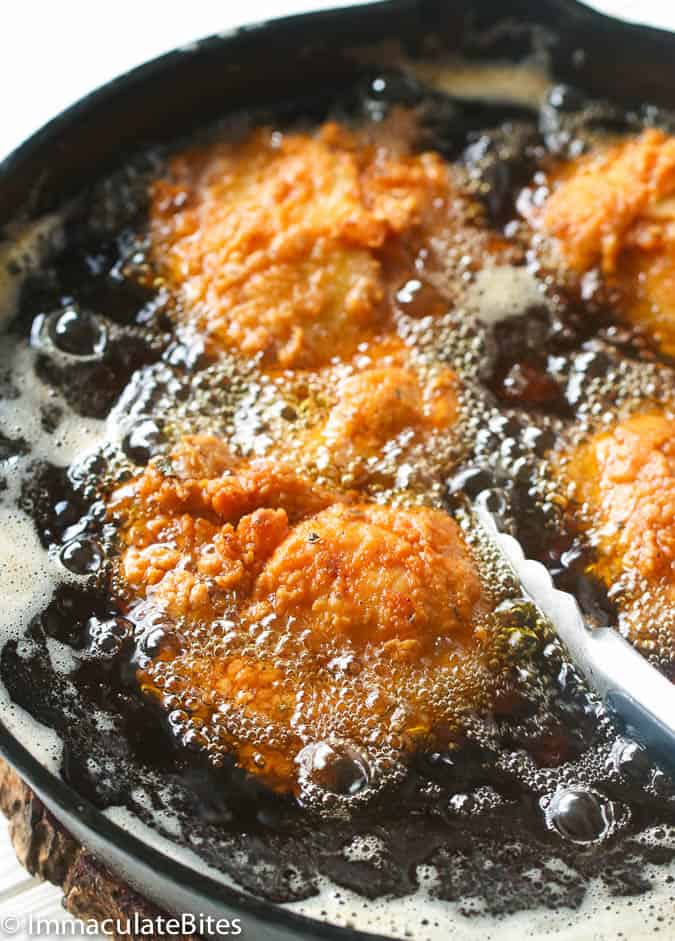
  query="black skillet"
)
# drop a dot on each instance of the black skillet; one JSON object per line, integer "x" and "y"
{"x": 253, "y": 66}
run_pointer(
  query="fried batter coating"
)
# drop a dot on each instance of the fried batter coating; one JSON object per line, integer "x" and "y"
{"x": 207, "y": 530}
{"x": 390, "y": 412}
{"x": 273, "y": 241}
{"x": 372, "y": 575}
{"x": 299, "y": 614}
{"x": 625, "y": 481}
{"x": 614, "y": 210}
{"x": 293, "y": 246}
{"x": 376, "y": 405}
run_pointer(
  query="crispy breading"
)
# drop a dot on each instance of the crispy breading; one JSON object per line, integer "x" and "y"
{"x": 293, "y": 245}
{"x": 207, "y": 530}
{"x": 300, "y": 610}
{"x": 611, "y": 200}
{"x": 624, "y": 480}
{"x": 373, "y": 575}
{"x": 376, "y": 405}
{"x": 272, "y": 242}
{"x": 614, "y": 210}
{"x": 388, "y": 406}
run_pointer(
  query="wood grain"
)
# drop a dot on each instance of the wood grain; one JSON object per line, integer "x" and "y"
{"x": 48, "y": 852}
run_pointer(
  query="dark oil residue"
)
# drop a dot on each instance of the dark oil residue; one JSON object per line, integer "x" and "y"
{"x": 547, "y": 777}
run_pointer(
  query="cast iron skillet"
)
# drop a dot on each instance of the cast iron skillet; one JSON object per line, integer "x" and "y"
{"x": 186, "y": 87}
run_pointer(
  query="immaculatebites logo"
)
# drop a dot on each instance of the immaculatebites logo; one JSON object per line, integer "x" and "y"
{"x": 161, "y": 926}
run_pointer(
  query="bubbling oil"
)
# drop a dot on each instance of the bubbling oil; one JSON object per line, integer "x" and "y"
{"x": 532, "y": 793}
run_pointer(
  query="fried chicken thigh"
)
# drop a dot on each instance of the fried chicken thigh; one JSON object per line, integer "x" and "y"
{"x": 292, "y": 246}
{"x": 387, "y": 413}
{"x": 613, "y": 211}
{"x": 624, "y": 483}
{"x": 295, "y": 615}
{"x": 272, "y": 243}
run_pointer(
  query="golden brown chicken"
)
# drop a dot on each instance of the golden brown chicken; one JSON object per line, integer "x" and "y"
{"x": 613, "y": 211}
{"x": 624, "y": 482}
{"x": 376, "y": 405}
{"x": 297, "y": 615}
{"x": 385, "y": 413}
{"x": 293, "y": 245}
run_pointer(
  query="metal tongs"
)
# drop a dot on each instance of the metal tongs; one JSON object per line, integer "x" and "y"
{"x": 636, "y": 695}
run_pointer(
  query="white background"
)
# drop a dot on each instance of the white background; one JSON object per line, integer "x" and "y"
{"x": 54, "y": 51}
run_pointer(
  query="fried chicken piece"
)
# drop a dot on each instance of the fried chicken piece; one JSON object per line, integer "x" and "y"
{"x": 624, "y": 480}
{"x": 374, "y": 406}
{"x": 207, "y": 530}
{"x": 383, "y": 416}
{"x": 373, "y": 575}
{"x": 272, "y": 242}
{"x": 614, "y": 210}
{"x": 300, "y": 615}
{"x": 293, "y": 246}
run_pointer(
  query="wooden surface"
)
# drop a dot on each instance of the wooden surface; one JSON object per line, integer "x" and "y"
{"x": 46, "y": 852}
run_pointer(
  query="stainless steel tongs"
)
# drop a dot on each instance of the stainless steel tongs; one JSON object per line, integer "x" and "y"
{"x": 640, "y": 698}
